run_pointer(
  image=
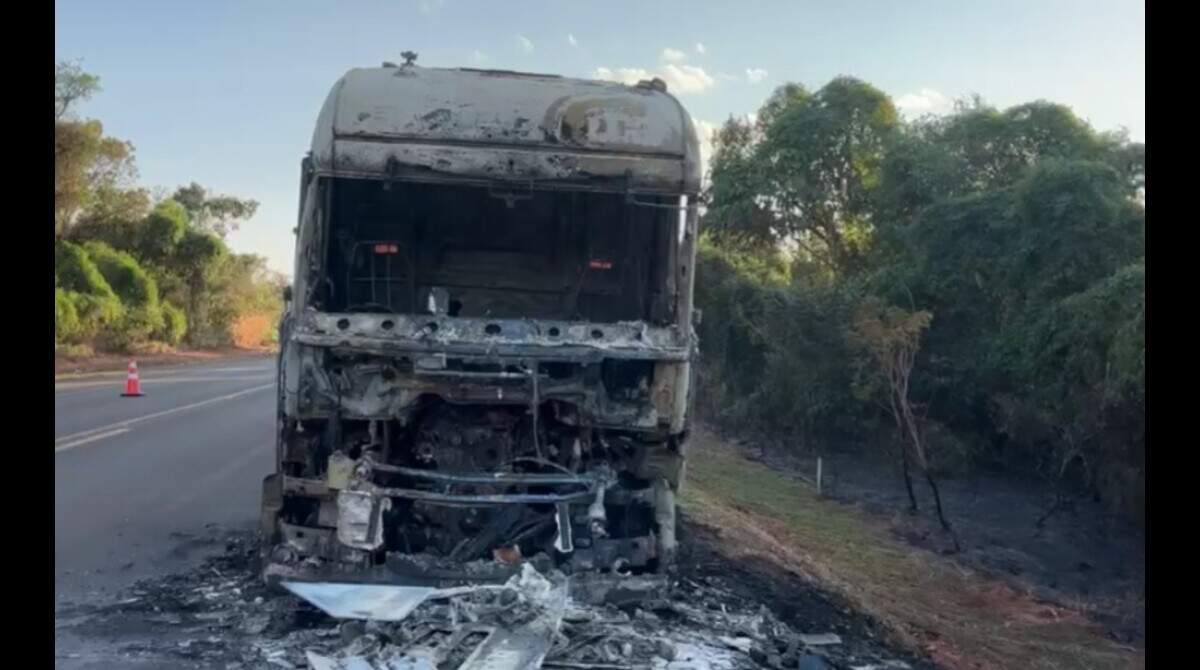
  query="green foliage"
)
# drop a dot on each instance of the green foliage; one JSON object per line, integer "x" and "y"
{"x": 886, "y": 340}
{"x": 1089, "y": 347}
{"x": 113, "y": 215}
{"x": 95, "y": 312}
{"x": 1023, "y": 230}
{"x": 174, "y": 324}
{"x": 75, "y": 271}
{"x": 71, "y": 85}
{"x": 217, "y": 214}
{"x": 135, "y": 277}
{"x": 133, "y": 285}
{"x": 66, "y": 319}
{"x": 774, "y": 356}
{"x": 85, "y": 161}
{"x": 74, "y": 350}
{"x": 159, "y": 235}
{"x": 240, "y": 286}
{"x": 141, "y": 315}
{"x": 807, "y": 171}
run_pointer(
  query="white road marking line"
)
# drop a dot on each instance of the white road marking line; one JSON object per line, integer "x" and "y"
{"x": 260, "y": 368}
{"x": 165, "y": 412}
{"x": 92, "y": 438}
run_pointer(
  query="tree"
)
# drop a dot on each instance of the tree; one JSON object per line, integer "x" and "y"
{"x": 1087, "y": 355}
{"x": 112, "y": 215}
{"x": 85, "y": 163}
{"x": 218, "y": 214}
{"x": 198, "y": 257}
{"x": 989, "y": 217}
{"x": 1022, "y": 229}
{"x": 159, "y": 234}
{"x": 980, "y": 149}
{"x": 807, "y": 170}
{"x": 889, "y": 339}
{"x": 71, "y": 85}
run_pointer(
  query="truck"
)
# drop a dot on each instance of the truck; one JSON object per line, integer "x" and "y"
{"x": 487, "y": 348}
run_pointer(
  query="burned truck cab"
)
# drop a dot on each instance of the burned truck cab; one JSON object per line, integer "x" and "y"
{"x": 487, "y": 354}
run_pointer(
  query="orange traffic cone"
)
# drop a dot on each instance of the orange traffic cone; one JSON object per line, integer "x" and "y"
{"x": 133, "y": 387}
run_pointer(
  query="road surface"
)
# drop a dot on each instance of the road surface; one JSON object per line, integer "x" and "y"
{"x": 141, "y": 485}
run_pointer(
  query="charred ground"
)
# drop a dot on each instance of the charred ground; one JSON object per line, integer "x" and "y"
{"x": 220, "y": 615}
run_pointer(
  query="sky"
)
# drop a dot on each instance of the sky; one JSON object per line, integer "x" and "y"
{"x": 226, "y": 93}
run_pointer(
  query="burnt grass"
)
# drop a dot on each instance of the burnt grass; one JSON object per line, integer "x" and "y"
{"x": 1082, "y": 557}
{"x": 221, "y": 615}
{"x": 794, "y": 600}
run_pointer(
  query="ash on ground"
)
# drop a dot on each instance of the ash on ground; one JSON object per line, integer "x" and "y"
{"x": 717, "y": 614}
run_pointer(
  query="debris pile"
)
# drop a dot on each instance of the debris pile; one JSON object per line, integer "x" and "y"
{"x": 222, "y": 616}
{"x": 497, "y": 627}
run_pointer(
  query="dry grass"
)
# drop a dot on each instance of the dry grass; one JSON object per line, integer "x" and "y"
{"x": 253, "y": 330}
{"x": 957, "y": 618}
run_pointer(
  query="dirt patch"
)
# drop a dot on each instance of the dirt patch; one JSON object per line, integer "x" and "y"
{"x": 65, "y": 366}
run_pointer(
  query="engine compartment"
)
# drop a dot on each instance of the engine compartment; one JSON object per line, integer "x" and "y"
{"x": 455, "y": 484}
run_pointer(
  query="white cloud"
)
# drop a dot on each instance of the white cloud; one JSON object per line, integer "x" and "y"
{"x": 525, "y": 44}
{"x": 670, "y": 55}
{"x": 479, "y": 56}
{"x": 699, "y": 47}
{"x": 706, "y": 131}
{"x": 571, "y": 40}
{"x": 679, "y": 78}
{"x": 925, "y": 101}
{"x": 624, "y": 75}
{"x": 687, "y": 78}
{"x": 755, "y": 75}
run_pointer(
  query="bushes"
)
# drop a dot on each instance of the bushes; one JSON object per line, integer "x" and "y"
{"x": 773, "y": 351}
{"x": 95, "y": 313}
{"x": 66, "y": 319}
{"x": 141, "y": 316}
{"x": 133, "y": 285}
{"x": 84, "y": 302}
{"x": 106, "y": 294}
{"x": 229, "y": 298}
{"x": 174, "y": 324}
{"x": 75, "y": 271}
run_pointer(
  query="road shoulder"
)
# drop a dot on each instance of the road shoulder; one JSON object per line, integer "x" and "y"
{"x": 66, "y": 368}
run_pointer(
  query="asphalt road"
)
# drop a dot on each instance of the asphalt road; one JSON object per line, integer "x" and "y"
{"x": 142, "y": 486}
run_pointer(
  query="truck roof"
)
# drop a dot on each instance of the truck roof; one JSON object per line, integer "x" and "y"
{"x": 504, "y": 125}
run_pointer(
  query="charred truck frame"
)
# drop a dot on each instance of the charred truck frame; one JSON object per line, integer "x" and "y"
{"x": 487, "y": 350}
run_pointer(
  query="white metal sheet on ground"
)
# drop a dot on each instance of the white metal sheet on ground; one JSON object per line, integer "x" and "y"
{"x": 378, "y": 602}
